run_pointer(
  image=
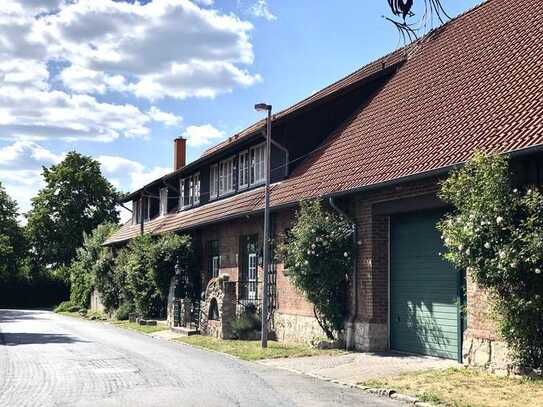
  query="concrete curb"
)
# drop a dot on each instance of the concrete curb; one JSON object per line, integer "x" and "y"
{"x": 381, "y": 392}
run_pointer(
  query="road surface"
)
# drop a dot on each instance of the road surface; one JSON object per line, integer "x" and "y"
{"x": 51, "y": 360}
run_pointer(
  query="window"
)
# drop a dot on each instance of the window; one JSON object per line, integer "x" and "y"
{"x": 147, "y": 208}
{"x": 226, "y": 176}
{"x": 243, "y": 175}
{"x": 196, "y": 188}
{"x": 135, "y": 212}
{"x": 163, "y": 201}
{"x": 182, "y": 193}
{"x": 258, "y": 164}
{"x": 214, "y": 258}
{"x": 189, "y": 191}
{"x": 213, "y": 181}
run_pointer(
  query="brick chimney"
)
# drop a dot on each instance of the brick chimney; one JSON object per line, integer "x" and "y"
{"x": 179, "y": 153}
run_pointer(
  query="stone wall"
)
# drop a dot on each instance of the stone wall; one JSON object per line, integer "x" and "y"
{"x": 171, "y": 298}
{"x": 296, "y": 328}
{"x": 370, "y": 336}
{"x": 223, "y": 293}
{"x": 96, "y": 303}
{"x": 488, "y": 354}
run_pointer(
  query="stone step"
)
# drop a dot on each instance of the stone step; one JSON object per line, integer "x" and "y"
{"x": 181, "y": 330}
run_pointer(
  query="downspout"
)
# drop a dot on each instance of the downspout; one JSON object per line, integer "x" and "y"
{"x": 350, "y": 326}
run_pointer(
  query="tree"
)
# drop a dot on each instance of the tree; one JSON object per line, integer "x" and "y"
{"x": 92, "y": 262}
{"x": 495, "y": 233}
{"x": 75, "y": 200}
{"x": 12, "y": 240}
{"x": 318, "y": 256}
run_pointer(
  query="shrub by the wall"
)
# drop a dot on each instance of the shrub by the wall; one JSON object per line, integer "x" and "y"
{"x": 495, "y": 233}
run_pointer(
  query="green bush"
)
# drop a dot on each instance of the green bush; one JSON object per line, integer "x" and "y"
{"x": 247, "y": 323}
{"x": 124, "y": 311}
{"x": 318, "y": 256}
{"x": 145, "y": 267}
{"x": 495, "y": 233}
{"x": 65, "y": 306}
{"x": 92, "y": 261}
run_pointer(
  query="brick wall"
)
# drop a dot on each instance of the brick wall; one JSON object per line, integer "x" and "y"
{"x": 289, "y": 299}
{"x": 372, "y": 211}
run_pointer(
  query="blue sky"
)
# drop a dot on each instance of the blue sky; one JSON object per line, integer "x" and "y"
{"x": 119, "y": 80}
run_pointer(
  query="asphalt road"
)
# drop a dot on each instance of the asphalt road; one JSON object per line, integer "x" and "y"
{"x": 51, "y": 360}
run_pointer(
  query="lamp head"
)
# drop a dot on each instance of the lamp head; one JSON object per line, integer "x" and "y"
{"x": 262, "y": 107}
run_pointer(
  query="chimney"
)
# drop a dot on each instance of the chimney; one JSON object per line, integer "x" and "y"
{"x": 179, "y": 153}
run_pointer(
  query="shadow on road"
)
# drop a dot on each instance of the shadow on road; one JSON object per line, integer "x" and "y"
{"x": 11, "y": 315}
{"x": 26, "y": 338}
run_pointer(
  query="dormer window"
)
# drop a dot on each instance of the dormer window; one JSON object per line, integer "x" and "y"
{"x": 213, "y": 181}
{"x": 243, "y": 172}
{"x": 226, "y": 176}
{"x": 163, "y": 201}
{"x": 196, "y": 188}
{"x": 189, "y": 191}
{"x": 258, "y": 164}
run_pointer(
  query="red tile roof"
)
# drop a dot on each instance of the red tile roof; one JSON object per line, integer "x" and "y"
{"x": 475, "y": 83}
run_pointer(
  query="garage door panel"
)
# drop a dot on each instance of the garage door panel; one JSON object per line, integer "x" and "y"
{"x": 423, "y": 289}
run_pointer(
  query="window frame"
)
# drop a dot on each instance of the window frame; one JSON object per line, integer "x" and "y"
{"x": 243, "y": 170}
{"x": 181, "y": 204}
{"x": 253, "y": 166}
{"x": 213, "y": 181}
{"x": 196, "y": 186}
{"x": 227, "y": 179}
{"x": 163, "y": 204}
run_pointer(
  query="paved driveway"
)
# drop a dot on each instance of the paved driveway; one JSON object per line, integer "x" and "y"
{"x": 354, "y": 368}
{"x": 51, "y": 360}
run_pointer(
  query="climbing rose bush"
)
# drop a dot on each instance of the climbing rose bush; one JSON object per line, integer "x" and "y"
{"x": 495, "y": 233}
{"x": 318, "y": 256}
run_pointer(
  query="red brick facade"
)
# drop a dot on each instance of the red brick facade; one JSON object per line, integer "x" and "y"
{"x": 228, "y": 234}
{"x": 372, "y": 212}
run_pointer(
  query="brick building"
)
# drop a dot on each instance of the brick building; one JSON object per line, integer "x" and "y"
{"x": 374, "y": 145}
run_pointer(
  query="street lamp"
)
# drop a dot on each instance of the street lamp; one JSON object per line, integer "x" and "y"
{"x": 263, "y": 107}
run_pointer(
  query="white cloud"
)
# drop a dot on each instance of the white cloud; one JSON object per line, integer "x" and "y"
{"x": 262, "y": 10}
{"x": 83, "y": 80}
{"x": 26, "y": 154}
{"x": 37, "y": 115}
{"x": 168, "y": 119}
{"x": 206, "y": 134}
{"x": 20, "y": 170}
{"x": 131, "y": 175}
{"x": 197, "y": 51}
{"x": 205, "y": 2}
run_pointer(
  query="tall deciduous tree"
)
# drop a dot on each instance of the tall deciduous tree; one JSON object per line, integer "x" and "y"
{"x": 75, "y": 200}
{"x": 12, "y": 241}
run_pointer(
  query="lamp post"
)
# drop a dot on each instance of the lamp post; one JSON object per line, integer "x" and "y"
{"x": 263, "y": 107}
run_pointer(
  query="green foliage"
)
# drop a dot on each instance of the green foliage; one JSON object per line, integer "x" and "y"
{"x": 124, "y": 311}
{"x": 143, "y": 270}
{"x": 75, "y": 199}
{"x": 140, "y": 273}
{"x": 318, "y": 256}
{"x": 246, "y": 324}
{"x": 66, "y": 306}
{"x": 12, "y": 240}
{"x": 496, "y": 235}
{"x": 92, "y": 261}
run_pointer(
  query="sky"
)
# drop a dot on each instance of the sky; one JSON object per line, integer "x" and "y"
{"x": 119, "y": 80}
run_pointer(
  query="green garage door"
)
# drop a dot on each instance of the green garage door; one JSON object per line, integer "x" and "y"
{"x": 424, "y": 289}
